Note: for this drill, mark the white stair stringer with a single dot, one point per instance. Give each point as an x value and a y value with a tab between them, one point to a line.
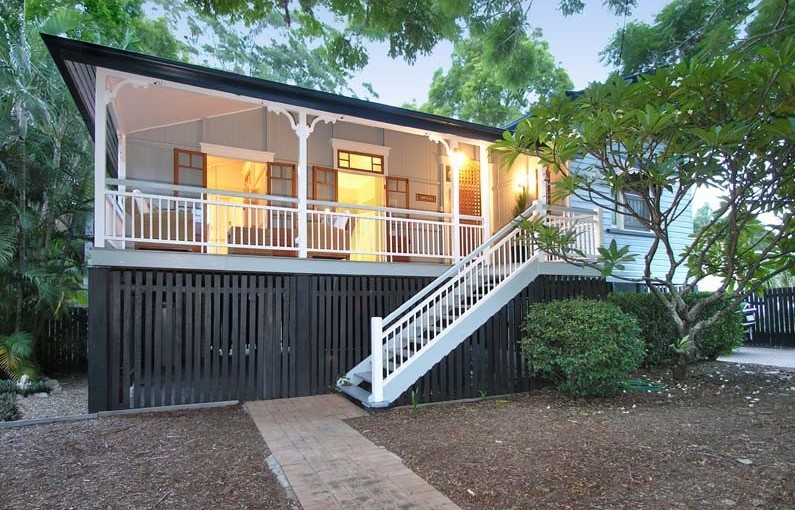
408	373
422	331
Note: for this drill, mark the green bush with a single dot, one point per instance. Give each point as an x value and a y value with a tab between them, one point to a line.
7	386
584	347
8	406
723	336
38	386
659	330
657	327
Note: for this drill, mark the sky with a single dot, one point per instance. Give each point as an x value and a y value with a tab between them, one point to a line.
574	41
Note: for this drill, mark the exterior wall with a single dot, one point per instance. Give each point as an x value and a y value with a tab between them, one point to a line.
150	152
525	172
640	242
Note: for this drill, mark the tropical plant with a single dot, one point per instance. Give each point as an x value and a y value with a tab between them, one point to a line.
725	122
16	350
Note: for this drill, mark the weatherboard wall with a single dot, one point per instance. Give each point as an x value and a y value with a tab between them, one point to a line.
639	241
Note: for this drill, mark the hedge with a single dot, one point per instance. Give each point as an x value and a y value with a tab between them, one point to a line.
659	329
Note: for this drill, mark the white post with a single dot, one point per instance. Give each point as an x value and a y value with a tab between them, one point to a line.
485	191
377	357
121	167
597	230
100	155
454	201
302	130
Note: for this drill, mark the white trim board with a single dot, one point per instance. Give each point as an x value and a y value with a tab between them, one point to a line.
226	151
208	262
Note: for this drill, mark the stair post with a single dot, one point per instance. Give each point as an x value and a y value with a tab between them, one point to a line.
377	356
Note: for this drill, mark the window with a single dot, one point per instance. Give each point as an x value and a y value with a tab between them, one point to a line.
360	161
637	204
281	179
397	192
324	184
190	168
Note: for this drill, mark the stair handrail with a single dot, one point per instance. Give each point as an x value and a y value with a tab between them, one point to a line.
455	268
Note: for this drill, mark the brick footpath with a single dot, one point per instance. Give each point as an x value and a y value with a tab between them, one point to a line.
329	465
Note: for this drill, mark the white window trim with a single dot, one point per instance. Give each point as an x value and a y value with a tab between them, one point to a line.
620	224
225	151
367	148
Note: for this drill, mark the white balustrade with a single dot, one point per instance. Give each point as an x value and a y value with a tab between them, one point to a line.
148	215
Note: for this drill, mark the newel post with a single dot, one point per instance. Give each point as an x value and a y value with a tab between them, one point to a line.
377	356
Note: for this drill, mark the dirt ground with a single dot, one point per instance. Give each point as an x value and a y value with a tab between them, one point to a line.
212	458
725	439
70	399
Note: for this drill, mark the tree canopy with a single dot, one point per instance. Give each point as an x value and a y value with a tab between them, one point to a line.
687	28
472	90
410	27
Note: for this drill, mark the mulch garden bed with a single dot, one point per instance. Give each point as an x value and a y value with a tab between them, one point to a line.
723	439
210	458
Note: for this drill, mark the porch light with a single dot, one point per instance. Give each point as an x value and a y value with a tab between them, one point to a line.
458	159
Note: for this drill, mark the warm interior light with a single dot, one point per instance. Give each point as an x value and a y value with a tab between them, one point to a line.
458	158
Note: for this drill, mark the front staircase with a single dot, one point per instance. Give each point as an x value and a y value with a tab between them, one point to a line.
422	331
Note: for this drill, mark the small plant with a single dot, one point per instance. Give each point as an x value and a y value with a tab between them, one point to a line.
415	400
584	347
7	386
482	394
38	386
8	406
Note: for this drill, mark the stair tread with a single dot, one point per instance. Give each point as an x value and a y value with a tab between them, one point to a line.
367	375
356	392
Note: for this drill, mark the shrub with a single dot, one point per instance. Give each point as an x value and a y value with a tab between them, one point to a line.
38	386
723	336
8	406
584	347
7	386
657	327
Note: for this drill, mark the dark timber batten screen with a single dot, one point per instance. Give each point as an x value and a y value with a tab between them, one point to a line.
163	337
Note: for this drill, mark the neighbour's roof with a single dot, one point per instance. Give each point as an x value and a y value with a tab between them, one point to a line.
78	61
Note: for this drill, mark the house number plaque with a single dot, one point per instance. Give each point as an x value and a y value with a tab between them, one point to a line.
422	197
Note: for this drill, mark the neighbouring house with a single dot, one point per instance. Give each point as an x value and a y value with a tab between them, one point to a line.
259	240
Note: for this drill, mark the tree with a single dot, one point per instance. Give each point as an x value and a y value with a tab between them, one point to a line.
727	123
410	27
704	28
702	217
472	90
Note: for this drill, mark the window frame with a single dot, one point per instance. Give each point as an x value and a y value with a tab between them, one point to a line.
372	156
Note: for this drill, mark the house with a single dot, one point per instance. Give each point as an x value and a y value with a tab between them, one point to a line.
259	240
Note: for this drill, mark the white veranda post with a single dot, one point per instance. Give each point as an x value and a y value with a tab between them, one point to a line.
100	155
485	191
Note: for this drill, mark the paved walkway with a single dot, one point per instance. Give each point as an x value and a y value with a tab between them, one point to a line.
331	466
783	358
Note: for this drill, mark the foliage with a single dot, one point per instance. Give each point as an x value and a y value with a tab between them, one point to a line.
585	347
725	123
8	386
37	386
724	335
702	28
8	407
475	90
702	217
659	330
16	352
410	27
